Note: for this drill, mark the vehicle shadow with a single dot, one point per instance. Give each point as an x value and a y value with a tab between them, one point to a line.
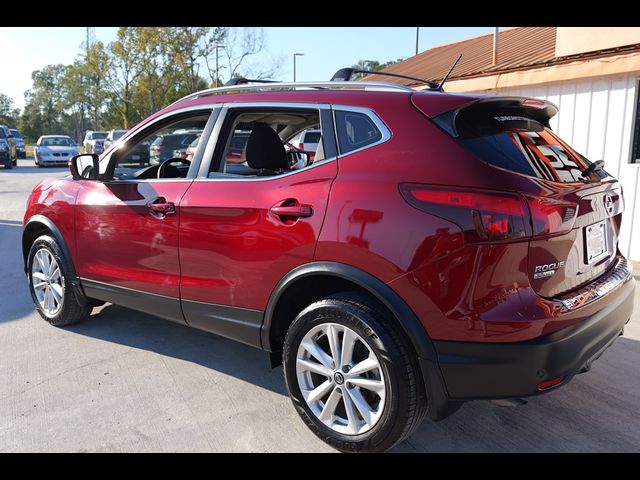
15	300
135	329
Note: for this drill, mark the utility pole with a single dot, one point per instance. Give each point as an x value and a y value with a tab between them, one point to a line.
417	38
294	64
217	75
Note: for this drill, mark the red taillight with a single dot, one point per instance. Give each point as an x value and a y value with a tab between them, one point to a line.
301	146
483	216
550	383
491	216
550	216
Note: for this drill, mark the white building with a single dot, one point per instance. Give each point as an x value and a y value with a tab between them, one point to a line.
591	74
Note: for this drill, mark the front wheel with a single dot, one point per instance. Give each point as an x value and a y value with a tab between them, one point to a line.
50	283
351	374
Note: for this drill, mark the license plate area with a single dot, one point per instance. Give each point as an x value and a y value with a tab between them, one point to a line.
596	241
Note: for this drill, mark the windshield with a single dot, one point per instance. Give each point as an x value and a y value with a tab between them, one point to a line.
16	133
98	135
56	142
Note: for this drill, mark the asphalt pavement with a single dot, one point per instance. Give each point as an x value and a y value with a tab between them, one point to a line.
126	381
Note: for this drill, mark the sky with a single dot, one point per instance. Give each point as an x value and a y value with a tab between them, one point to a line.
325	49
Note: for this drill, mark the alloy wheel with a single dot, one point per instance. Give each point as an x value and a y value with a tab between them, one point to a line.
341	379
47	282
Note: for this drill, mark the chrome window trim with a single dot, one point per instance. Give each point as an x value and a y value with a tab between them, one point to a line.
213	140
373	116
121	142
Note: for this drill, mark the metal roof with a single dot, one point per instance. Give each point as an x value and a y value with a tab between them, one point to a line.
517	48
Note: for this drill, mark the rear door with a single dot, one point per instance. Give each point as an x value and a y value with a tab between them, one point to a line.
240	233
575	215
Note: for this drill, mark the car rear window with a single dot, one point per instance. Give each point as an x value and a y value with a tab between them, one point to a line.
99	135
312	137
16	133
512	140
355	131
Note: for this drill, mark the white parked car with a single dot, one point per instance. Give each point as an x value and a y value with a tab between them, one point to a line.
112	138
54	149
307	141
94	142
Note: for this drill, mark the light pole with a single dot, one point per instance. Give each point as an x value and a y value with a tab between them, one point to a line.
294	64
417	37
217	75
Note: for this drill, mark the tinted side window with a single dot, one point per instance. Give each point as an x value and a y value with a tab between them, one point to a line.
355	130
2	133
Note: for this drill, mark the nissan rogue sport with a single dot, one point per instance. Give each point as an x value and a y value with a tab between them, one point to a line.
438	248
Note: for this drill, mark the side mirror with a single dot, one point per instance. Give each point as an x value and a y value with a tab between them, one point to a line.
85	166
10	135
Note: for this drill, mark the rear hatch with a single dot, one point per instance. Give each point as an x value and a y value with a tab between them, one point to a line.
574	207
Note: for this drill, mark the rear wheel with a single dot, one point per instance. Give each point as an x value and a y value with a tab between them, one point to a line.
50	276
351	375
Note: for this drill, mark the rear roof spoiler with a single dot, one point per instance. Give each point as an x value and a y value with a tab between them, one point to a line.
539	110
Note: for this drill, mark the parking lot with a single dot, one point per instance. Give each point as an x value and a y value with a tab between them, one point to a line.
126	381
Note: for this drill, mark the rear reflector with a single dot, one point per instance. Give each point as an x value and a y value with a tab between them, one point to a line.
491	216
550	383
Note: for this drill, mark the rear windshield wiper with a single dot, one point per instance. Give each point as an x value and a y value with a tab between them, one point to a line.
596	166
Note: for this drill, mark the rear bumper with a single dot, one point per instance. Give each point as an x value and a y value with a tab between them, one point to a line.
474	370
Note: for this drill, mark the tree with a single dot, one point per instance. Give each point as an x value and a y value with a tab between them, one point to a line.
8	114
242	45
373	65
144	69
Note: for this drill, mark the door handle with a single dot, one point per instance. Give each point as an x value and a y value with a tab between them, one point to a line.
291	209
160	207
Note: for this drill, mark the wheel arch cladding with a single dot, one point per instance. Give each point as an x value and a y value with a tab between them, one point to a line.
310	282
39	225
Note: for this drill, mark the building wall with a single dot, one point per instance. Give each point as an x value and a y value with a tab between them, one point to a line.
596	117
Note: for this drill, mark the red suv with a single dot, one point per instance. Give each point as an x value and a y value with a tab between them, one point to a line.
439	247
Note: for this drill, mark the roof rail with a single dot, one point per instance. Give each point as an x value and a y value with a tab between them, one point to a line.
244	81
345	74
369	86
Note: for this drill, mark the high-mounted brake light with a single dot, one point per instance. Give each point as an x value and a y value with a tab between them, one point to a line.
533	103
491	216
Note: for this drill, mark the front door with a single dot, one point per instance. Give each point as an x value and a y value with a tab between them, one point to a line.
251	218
127	226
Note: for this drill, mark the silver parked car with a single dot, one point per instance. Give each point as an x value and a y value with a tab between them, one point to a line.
112	137
54	149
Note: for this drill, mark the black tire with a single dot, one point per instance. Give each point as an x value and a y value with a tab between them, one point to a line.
71	311
406	402
9	165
